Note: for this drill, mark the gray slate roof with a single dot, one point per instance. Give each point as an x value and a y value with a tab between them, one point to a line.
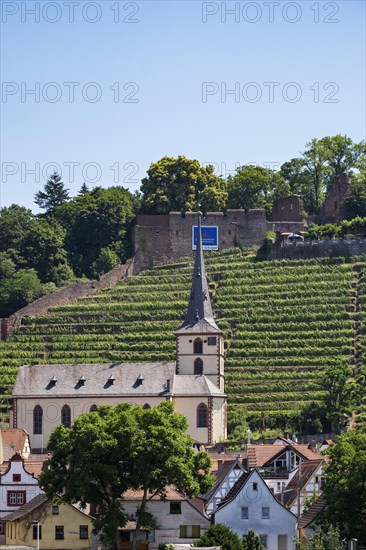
130	380
199	316
27	508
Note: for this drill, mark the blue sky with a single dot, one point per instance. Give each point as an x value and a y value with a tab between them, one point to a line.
149	78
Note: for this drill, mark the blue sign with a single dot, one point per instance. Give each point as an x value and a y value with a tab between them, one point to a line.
210	237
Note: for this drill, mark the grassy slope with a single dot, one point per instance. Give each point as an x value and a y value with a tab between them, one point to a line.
284	321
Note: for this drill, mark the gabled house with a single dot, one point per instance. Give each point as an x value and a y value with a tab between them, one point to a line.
250	504
57	526
18	439
179	519
227	475
18	486
279	462
305	484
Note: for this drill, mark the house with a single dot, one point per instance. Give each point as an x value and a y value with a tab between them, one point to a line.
18	439
227	474
57	526
18	486
45	396
305	484
179	519
250	504
278	463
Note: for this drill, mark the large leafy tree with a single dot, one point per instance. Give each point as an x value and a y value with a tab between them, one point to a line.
96	220
54	194
256	187
345	484
220	535
295	173
176	184
339	387
116	448
15	222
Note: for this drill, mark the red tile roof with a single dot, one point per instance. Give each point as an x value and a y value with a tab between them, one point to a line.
310	515
259	455
15	437
299	480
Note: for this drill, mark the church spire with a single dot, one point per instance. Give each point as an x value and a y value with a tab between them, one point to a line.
199	314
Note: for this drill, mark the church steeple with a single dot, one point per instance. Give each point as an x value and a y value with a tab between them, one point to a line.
199	316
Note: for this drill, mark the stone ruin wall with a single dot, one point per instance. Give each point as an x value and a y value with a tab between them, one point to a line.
158	239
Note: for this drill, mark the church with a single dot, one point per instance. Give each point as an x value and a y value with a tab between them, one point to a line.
45	396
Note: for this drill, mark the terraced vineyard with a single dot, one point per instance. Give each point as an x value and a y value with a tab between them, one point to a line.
284	321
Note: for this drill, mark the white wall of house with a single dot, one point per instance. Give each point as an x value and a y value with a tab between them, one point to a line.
279	528
13	494
168	530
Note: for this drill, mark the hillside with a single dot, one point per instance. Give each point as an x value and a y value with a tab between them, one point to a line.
284	322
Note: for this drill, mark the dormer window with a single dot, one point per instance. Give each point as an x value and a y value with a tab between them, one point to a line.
111	379
139	380
53	381
81	380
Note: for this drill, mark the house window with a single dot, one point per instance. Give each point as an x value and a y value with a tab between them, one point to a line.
255	486
263	539
35	529
146	406
282	542
244	512
93	408
59	532
84	531
17	477
202	416
55	510
66	416
175	507
189	531
198	346
16	498
37	419
198	366
265	512
211	341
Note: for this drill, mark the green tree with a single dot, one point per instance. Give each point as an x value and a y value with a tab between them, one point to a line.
220	535
54	194
356	201
256	187
251	541
100	218
327	538
296	175
315	159
176	184
237	423
342	155
116	448
345	482
106	261
339	387
15	223
43	247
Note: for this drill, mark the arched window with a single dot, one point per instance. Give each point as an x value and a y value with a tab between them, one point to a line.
202	416
198	366
37	419
146	406
93	408
66	416
198	346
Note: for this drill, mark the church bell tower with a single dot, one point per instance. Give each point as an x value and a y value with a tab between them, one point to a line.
200	342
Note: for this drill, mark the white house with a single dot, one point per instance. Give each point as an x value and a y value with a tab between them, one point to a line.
45	396
179	519
250	505
17	487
